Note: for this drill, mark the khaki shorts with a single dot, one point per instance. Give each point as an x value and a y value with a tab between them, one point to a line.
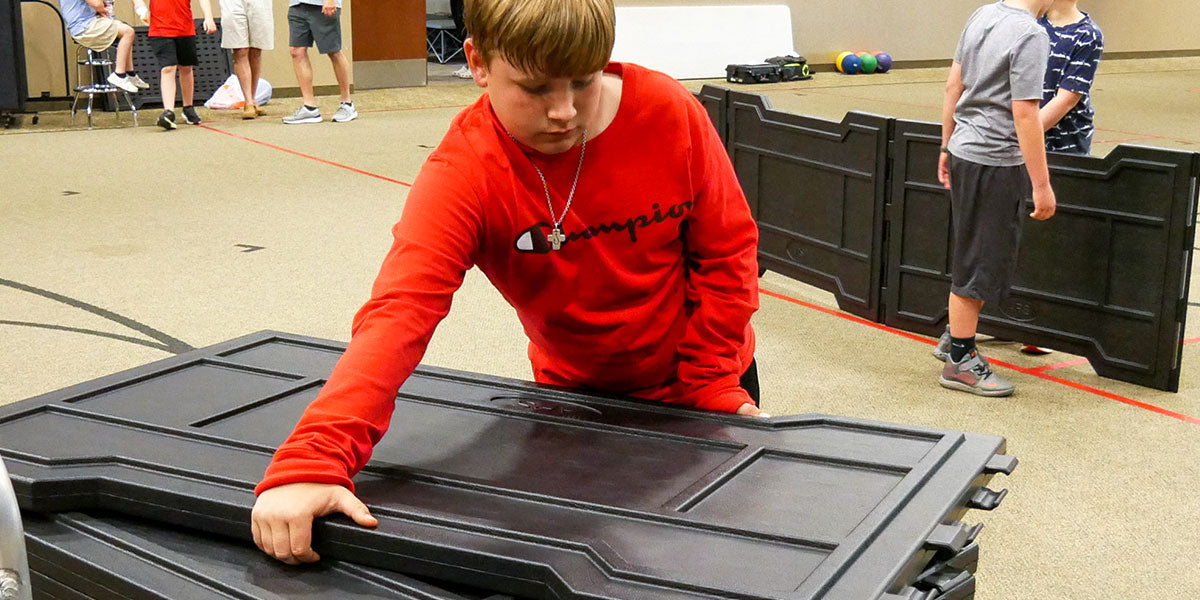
247	24
101	32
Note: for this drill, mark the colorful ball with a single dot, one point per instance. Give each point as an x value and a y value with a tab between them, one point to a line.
851	64
838	63
884	61
869	63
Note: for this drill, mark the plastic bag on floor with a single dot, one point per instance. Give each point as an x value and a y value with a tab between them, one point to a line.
229	95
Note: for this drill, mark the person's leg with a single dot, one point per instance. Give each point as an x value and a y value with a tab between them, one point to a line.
341	69
241	68
167	85
187	85
964	319
124	62
255	59
304	75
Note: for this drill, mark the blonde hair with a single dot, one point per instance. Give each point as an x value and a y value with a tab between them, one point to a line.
554	38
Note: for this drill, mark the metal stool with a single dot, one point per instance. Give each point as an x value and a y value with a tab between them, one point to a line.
440	37
99	63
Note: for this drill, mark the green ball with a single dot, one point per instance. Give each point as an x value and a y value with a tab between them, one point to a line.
869	62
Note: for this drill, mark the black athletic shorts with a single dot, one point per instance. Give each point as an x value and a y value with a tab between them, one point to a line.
175	51
986	204
749	381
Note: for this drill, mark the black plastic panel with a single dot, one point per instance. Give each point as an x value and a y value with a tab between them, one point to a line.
13	85
520	489
106	556
214	68
715	100
817	190
1106	278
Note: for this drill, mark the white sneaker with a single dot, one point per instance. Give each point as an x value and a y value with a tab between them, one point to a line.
345	113
303	115
464	72
137	80
122	82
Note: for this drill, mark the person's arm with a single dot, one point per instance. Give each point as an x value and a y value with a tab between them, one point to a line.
210	26
310	475
1058	107
722	246
142	11
954	91
1033	149
99	6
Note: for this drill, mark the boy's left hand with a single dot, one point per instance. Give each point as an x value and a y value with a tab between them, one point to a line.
210	26
328	8
944	169
750	410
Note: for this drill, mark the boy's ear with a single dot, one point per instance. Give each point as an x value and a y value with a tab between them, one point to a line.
476	63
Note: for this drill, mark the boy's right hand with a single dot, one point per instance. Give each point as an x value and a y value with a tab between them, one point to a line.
1044	203
282	517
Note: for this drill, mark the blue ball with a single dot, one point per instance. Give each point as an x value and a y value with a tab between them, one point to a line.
851	64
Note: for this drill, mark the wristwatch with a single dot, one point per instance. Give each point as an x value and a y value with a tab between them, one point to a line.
945	149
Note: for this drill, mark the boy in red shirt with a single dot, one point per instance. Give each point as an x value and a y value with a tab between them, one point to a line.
600	202
173	37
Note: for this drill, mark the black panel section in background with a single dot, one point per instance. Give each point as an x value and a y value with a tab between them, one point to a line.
13	84
108	557
214	68
715	100
524	489
817	190
1106	277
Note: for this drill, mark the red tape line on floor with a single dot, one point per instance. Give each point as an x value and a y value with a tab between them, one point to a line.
301	154
1028	371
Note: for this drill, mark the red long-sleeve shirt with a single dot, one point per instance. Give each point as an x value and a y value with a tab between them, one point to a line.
650	295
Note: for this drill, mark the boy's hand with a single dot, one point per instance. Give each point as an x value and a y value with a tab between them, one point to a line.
143	14
282	518
750	410
1044	203
329	8
210	26
944	169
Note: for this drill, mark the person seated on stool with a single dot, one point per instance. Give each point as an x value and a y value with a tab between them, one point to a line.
94	26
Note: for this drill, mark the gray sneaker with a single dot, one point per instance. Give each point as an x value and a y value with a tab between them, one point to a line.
973	374
303	115
942	350
345	113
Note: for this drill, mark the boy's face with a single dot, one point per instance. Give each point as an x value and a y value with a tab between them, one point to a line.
547	114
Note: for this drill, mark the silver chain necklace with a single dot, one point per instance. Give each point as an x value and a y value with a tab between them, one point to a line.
556	237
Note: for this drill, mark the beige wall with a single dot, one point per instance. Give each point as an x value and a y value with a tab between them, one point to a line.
910	30
43	47
922	30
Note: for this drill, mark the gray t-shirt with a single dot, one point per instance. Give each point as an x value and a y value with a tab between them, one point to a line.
1003	52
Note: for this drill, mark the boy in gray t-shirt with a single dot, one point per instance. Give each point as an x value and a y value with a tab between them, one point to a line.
992	160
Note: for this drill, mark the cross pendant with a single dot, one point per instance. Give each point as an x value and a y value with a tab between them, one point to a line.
556	239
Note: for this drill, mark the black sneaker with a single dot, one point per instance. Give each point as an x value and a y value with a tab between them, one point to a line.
167	120
189	115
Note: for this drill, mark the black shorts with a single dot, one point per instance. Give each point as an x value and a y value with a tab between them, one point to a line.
306	24
173	51
986	204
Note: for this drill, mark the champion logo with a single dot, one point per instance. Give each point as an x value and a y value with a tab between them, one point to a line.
533	240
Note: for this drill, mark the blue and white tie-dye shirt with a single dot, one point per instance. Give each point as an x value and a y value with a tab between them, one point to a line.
1075	52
